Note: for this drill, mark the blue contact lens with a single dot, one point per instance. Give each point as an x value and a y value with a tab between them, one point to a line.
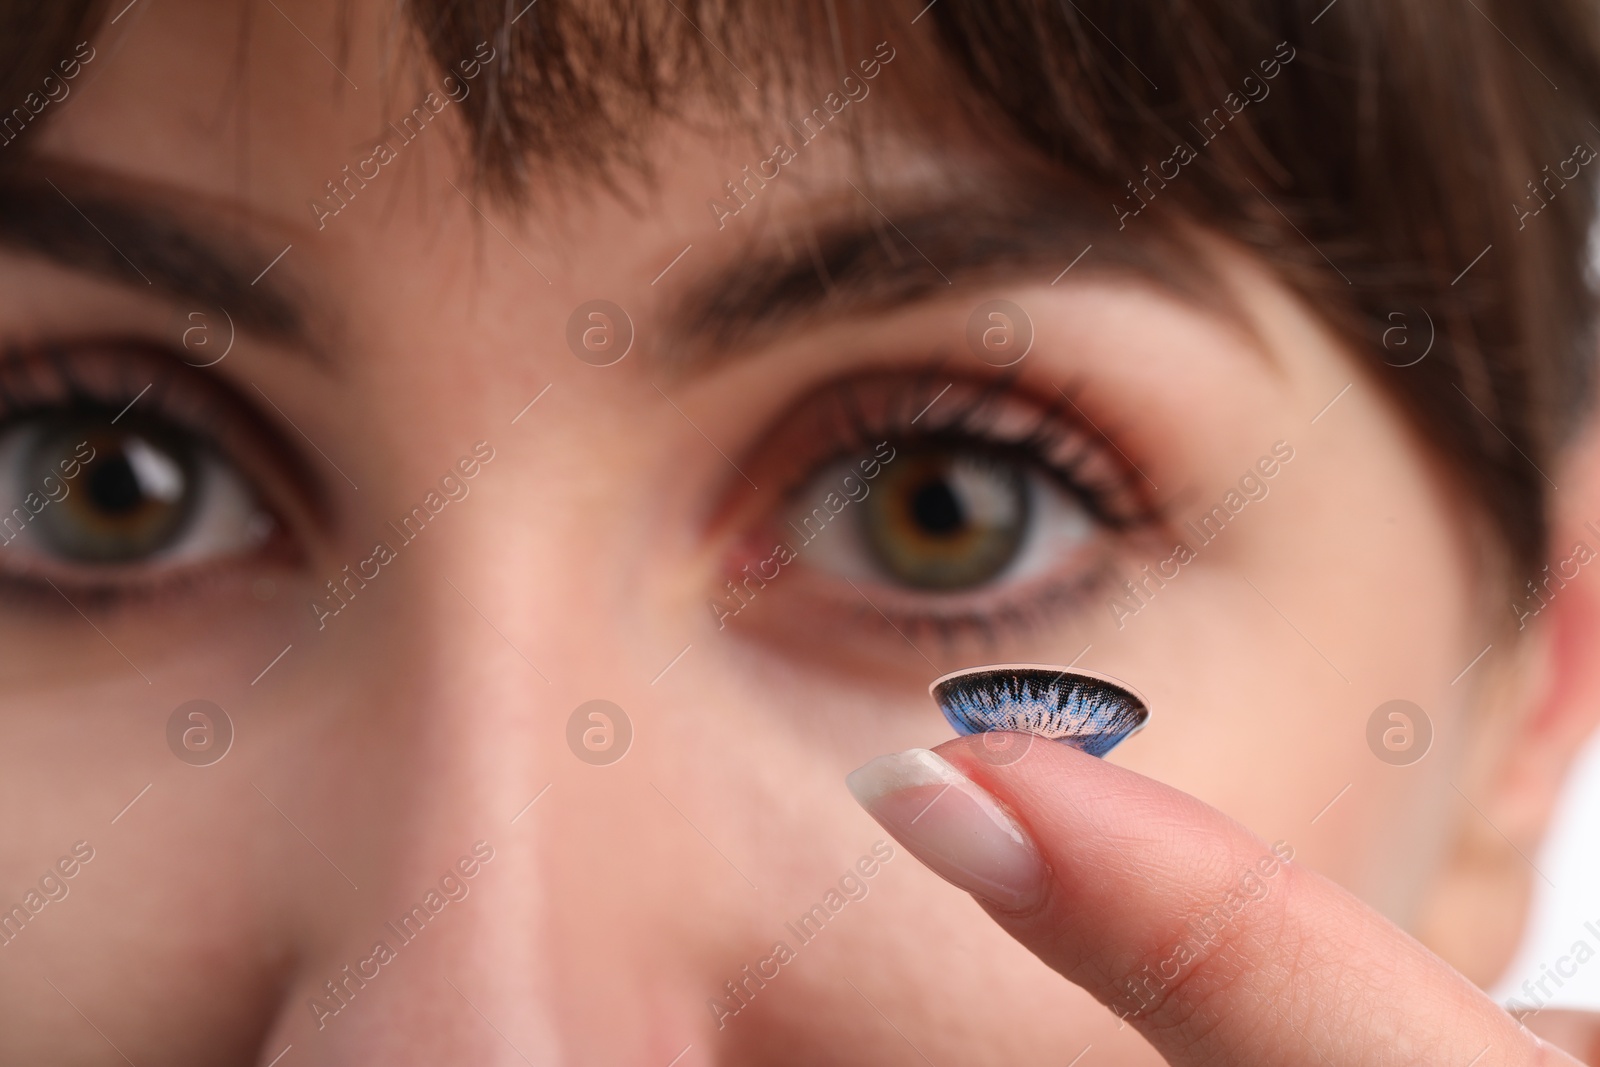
1085	710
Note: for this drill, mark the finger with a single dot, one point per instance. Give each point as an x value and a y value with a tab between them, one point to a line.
1215	945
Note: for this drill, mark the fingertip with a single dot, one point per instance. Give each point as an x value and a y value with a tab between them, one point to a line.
954	826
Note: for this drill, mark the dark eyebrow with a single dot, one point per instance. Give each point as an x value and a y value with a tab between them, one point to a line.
141	243
873	261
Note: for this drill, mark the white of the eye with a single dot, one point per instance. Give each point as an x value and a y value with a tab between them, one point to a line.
982	494
226	521
1058	525
158	475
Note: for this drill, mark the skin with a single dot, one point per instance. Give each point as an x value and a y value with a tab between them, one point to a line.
428	713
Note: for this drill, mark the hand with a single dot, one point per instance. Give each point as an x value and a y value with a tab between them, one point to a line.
1216	946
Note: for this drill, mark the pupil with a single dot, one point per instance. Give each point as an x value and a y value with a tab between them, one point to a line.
131	500
114	486
936	509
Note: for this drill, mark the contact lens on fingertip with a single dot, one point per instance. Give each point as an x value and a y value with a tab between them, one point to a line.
1080	708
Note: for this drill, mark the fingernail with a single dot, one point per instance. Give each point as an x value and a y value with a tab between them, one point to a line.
953	826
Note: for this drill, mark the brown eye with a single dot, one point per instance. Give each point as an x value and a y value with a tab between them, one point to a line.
89	493
938	518
942	518
132	496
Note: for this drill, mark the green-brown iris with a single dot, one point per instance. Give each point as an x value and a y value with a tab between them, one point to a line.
947	518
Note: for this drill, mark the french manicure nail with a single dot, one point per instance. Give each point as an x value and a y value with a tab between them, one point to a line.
957	829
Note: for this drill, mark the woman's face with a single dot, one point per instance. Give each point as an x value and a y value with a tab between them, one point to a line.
432	502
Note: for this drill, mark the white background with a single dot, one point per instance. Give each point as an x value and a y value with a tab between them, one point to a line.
1571	860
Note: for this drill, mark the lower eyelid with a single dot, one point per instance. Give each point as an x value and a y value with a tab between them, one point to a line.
981	620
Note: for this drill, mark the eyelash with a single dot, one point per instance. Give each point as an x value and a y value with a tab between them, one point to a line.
1057	440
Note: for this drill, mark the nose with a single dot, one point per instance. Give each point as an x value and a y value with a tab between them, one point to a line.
473	899
418	785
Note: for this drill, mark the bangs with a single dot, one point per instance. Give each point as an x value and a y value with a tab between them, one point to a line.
581	87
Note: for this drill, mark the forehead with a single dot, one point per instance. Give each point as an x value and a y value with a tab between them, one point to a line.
547	90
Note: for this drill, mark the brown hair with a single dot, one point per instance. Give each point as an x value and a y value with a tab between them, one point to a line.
1409	157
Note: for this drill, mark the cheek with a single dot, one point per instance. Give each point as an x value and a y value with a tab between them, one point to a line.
1349	593
1350	585
1398	606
